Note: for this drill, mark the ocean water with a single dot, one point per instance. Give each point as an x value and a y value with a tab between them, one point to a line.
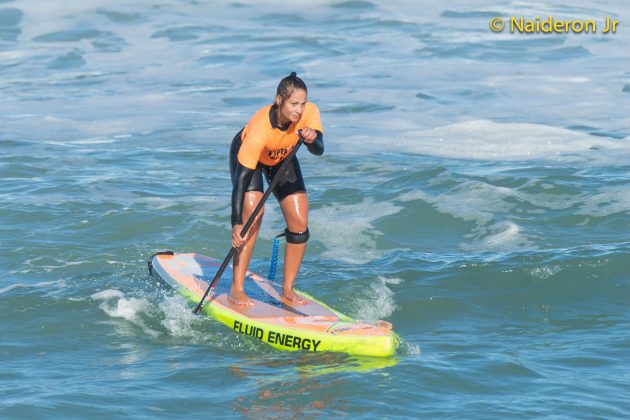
475	192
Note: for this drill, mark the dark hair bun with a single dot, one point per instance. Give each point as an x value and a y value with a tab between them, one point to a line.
288	84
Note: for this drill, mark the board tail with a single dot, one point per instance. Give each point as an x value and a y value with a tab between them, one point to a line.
150	261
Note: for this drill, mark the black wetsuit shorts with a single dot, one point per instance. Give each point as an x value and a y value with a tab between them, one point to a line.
290	183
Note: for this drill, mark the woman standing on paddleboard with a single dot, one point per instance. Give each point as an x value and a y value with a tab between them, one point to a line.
257	150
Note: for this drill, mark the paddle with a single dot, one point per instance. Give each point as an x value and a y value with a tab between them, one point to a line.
250	221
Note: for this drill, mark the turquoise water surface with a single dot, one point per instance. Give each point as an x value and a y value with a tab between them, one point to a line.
474	192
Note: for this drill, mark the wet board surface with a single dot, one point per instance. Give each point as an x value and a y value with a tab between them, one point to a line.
196	271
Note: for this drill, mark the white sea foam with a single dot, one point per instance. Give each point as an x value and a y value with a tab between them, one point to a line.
494	141
37	262
348	229
470	201
489	205
487	140
498	237
480	202
44	284
158	203
91	140
608	201
195	204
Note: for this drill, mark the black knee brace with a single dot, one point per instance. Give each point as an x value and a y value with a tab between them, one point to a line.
296	237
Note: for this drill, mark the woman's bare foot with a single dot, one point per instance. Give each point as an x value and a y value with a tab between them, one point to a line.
293	297
240	299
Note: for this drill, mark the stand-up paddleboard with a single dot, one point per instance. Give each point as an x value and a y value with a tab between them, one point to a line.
312	326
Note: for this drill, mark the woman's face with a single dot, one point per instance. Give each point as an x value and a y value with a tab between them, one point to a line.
293	108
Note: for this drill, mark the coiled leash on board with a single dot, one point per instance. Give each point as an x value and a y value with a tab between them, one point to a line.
292	238
274	256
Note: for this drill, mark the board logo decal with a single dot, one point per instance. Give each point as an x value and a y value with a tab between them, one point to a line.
274	337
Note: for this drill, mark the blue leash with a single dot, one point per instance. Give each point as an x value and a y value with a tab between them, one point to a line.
274	256
274	259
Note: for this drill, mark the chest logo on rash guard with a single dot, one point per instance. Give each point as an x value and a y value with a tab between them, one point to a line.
278	153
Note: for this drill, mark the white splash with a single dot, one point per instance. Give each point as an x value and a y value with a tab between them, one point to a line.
179	319
546	271
116	305
409	349
379	302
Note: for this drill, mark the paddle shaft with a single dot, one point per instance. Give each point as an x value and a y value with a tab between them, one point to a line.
250	222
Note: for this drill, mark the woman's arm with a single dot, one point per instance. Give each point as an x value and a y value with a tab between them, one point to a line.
317	146
242	178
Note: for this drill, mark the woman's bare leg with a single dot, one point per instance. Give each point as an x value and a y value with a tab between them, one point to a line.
244	254
295	211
